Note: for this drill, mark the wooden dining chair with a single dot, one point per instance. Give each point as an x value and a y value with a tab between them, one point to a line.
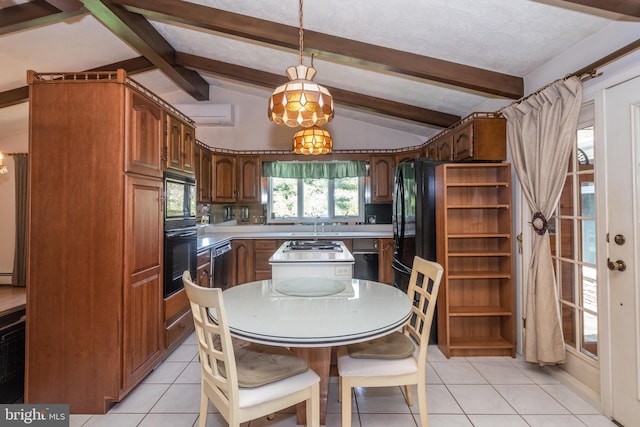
245	381
401	357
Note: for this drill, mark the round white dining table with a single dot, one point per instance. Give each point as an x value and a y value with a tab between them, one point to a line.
311	315
314	312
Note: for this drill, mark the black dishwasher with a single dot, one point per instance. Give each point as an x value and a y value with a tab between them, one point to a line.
365	252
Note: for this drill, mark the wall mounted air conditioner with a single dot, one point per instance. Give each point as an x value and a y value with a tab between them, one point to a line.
208	114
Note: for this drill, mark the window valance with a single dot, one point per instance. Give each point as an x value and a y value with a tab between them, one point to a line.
315	169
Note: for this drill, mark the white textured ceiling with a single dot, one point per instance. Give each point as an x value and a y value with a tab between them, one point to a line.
513	37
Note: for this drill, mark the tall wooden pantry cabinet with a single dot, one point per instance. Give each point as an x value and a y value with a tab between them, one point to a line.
476	301
95	323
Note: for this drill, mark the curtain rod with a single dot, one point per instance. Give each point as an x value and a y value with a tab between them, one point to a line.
583	77
12	154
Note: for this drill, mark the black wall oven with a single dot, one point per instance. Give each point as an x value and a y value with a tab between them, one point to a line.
180	232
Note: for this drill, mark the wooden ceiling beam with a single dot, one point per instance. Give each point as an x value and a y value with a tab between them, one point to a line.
340	96
66	5
131	66
337	48
35	14
136	31
623	7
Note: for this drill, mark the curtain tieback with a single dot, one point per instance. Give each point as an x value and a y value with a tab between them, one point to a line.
539	223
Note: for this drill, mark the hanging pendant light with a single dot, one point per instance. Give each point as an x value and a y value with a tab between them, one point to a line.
313	140
301	102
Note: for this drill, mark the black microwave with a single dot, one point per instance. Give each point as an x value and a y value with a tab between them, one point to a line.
180	201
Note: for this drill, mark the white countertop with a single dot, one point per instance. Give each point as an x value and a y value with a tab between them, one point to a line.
212	235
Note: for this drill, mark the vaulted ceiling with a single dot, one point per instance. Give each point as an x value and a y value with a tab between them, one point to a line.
423	64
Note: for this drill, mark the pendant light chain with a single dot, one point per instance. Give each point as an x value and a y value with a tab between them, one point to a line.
300	101
300	35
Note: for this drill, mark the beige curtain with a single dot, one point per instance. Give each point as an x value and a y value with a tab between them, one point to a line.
21	165
541	131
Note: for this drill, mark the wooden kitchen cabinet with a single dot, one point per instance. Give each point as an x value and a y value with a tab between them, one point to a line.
263	250
481	136
203	268
476	302
381	178
249	174
203	174
143	343
444	147
242	261
95	321
223	188
180	144
405	156
385	258
144	154
178	320
431	149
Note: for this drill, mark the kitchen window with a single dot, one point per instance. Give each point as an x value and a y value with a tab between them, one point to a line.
315	191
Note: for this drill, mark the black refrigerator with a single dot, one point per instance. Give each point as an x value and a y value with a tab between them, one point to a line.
414	216
414	221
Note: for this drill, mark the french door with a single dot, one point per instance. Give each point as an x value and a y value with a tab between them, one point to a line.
621	132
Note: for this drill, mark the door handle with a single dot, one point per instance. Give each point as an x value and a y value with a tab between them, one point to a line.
618	265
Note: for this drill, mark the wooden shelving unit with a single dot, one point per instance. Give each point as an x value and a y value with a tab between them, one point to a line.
476	304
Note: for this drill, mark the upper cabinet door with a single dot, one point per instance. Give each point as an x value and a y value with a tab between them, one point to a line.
224	179
188	148
249	173
179	145
381	174
203	174
144	135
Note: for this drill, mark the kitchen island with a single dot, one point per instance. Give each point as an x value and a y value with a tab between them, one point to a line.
302	259
252	246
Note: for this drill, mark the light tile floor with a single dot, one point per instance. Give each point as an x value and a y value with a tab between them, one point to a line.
461	392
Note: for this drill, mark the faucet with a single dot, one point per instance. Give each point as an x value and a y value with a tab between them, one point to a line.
315	226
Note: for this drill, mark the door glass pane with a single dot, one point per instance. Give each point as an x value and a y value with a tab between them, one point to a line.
587	195
589	289
566	238
588	232
565	205
567	285
586	152
589	334
569	325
